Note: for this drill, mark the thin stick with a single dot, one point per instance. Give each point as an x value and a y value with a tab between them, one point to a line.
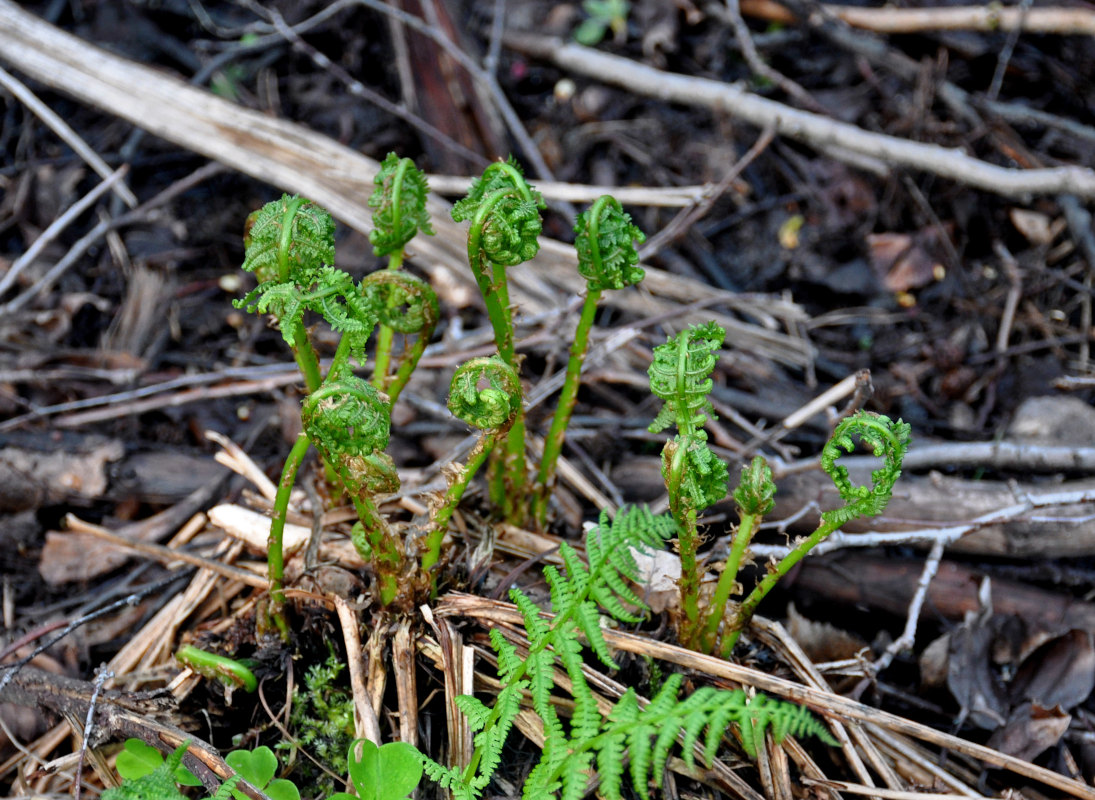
64	132
804	126
59	224
365	722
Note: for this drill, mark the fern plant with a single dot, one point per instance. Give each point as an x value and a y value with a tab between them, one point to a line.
607	259
888	440
486	394
290	248
645	731
695	477
504	212
399	203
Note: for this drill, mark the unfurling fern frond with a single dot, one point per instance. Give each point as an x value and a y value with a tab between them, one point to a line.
485	393
399	203
888	440
405	304
605	243
349	424
679	375
288	239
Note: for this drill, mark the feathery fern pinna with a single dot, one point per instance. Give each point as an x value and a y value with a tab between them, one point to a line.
694	476
647	731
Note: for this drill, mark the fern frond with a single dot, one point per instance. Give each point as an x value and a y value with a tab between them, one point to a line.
399	201
288	239
605	243
350	424
404	303
704	475
889	440
679	375
489	406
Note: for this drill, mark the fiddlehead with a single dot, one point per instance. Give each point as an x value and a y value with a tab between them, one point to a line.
399	203
405	304
288	239
607	259
679	375
288	243
606	239
888	440
485	393
694	476
505	223
349	424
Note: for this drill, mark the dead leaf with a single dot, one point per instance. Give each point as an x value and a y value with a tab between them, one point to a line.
1030	730
970	674
822	641
1036	227
1059	673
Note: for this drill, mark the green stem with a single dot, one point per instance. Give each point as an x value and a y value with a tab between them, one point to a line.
376	545
493	285
439	522
275	556
688	539
553	443
760	591
727	581
217	667
386	335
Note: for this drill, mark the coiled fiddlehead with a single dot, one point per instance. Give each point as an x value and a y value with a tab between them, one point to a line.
679	375
890	441
349	424
486	394
606	239
399	203
287	239
607	259
405	304
288	242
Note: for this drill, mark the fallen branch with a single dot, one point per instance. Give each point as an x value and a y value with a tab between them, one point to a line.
812	129
991	18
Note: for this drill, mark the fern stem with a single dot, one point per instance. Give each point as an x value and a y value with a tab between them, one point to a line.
385	335
439	521
568	397
727	581
684	512
749	605
375	543
275	556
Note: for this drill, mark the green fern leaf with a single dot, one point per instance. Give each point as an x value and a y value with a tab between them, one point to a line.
288	239
399	201
605	243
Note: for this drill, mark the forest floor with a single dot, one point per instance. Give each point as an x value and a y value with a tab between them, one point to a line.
887	208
